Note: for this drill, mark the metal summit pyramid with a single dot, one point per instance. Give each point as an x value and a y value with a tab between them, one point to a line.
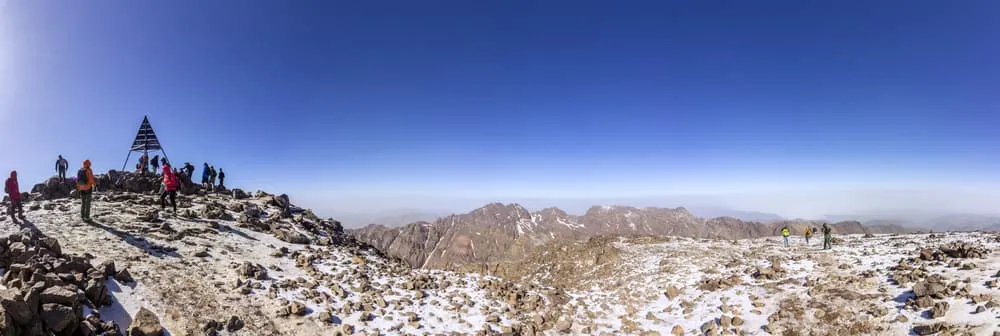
146	139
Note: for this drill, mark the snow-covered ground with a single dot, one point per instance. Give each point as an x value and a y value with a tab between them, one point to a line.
186	273
823	291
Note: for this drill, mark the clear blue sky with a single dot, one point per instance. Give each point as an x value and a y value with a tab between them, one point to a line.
510	98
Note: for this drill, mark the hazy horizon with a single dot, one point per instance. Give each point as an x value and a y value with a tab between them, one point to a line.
811	205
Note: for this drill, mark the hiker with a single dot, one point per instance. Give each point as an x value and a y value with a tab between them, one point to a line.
138	168
85	185
190	170
809	233
61	167
144	163
222	179
14	193
211	177
785	233
170	186
204	175
156	164
827	240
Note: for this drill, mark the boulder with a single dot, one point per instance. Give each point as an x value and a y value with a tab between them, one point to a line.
240	194
291	236
14	306
124	276
60	295
58	317
145	323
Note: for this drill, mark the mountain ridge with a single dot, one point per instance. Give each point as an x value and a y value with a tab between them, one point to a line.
499	232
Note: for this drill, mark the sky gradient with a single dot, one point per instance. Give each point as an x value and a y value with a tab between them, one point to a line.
385	104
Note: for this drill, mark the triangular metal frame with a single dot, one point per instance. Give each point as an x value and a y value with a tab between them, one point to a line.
145	141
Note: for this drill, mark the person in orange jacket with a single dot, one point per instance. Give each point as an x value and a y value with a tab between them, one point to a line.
85	185
14	194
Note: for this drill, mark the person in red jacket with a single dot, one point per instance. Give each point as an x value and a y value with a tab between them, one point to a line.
14	194
170	186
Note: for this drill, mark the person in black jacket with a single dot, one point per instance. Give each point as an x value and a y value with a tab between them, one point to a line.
222	179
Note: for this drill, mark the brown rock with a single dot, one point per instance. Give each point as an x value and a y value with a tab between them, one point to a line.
145	323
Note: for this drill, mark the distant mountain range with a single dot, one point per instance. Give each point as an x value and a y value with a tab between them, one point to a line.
928	220
500	232
390	218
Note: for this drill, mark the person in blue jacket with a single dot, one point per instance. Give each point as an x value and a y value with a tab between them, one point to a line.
204	175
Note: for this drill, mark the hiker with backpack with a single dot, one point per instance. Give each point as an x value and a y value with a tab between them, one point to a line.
85	185
61	166
204	175
827	239
14	194
211	177
222	179
189	169
785	233
170	187
156	164
808	234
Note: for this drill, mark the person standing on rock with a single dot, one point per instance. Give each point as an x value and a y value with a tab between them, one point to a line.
85	185
170	188
211	177
61	167
144	163
204	175
808	234
785	233
156	164
222	179
14	194
189	168
827	239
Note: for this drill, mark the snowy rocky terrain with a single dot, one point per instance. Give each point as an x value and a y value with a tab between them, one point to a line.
231	263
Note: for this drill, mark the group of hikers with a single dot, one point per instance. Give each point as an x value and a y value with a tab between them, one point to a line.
85	183
208	175
827	235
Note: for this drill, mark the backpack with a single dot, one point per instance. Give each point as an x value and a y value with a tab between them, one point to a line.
81	176
826	229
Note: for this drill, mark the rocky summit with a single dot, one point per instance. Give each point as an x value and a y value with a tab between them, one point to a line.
231	262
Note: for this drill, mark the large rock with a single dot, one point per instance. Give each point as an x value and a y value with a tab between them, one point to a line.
59	318
145	323
240	194
215	210
60	295
291	236
14	306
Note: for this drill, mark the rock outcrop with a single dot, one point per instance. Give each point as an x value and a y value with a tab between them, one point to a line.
42	285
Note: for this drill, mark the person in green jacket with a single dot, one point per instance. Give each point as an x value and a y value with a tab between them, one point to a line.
827	239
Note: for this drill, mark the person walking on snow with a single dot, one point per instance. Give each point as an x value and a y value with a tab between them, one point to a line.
808	234
785	233
827	239
14	194
170	188
61	166
222	179
85	185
